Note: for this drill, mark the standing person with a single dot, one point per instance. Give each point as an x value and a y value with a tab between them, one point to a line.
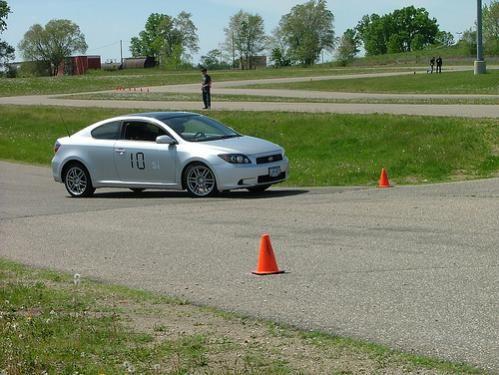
439	64
432	64
205	89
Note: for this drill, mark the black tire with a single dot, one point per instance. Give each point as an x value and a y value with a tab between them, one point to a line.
258	189
137	190
200	181
77	180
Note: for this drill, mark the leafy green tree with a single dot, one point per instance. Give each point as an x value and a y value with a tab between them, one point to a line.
245	37
491	27
279	58
214	59
6	50
374	33
171	40
150	40
414	24
348	47
278	49
308	30
468	41
403	30
53	43
444	38
4	12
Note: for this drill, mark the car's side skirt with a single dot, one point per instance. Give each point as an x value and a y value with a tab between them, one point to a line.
149	185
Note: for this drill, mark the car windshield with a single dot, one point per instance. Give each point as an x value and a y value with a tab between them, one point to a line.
199	128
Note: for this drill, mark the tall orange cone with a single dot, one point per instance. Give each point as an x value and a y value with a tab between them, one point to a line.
383	179
266	260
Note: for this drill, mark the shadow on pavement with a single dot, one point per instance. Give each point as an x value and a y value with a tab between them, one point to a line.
242	194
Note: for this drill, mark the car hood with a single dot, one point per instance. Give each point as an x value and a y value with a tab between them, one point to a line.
243	145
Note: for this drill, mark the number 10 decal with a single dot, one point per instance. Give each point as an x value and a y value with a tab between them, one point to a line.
140	160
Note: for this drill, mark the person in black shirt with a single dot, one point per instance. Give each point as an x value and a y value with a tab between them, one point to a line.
439	64
205	89
432	64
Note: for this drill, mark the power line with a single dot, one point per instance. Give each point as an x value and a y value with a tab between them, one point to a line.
107	45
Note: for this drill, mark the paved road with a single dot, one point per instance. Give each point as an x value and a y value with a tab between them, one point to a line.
415	268
450	110
456	110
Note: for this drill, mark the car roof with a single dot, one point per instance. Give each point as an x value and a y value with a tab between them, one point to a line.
162	116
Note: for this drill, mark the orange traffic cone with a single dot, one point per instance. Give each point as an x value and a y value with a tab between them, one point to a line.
266	260
383	179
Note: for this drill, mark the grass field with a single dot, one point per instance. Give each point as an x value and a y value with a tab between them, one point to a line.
101	80
324	149
454	55
279	99
446	83
50	324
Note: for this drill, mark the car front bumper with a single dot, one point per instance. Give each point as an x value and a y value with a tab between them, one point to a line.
233	176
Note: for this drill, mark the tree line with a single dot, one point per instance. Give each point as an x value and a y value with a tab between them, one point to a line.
299	39
304	33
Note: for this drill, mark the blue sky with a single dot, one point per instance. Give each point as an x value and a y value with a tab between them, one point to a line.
105	22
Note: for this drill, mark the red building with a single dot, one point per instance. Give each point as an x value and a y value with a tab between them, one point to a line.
78	65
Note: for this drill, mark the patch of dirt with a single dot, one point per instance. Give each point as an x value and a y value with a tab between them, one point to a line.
239	344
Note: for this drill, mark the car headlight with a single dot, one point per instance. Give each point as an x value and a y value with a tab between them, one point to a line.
235	158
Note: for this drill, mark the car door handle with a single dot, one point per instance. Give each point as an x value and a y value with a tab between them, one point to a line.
120	151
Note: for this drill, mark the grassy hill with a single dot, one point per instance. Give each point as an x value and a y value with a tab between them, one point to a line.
454	55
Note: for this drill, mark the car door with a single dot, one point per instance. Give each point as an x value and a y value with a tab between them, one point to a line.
140	160
99	153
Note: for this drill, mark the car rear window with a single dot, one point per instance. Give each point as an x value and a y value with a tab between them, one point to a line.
110	130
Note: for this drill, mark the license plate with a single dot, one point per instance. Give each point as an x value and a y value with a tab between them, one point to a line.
274	171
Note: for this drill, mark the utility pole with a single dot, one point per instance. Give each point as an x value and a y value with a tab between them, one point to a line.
121	52
480	66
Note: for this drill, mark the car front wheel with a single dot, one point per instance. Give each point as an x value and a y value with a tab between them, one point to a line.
200	181
77	181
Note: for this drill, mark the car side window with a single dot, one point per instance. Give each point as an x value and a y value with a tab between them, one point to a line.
142	131
111	130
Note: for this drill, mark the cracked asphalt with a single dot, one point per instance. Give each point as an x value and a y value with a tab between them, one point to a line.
412	267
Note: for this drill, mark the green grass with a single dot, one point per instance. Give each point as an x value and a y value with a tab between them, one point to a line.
279	99
455	55
323	149
98	81
50	325
446	83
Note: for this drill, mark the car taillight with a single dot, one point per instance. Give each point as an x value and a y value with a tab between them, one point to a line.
57	146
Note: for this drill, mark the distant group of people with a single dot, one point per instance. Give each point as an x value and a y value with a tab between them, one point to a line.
438	62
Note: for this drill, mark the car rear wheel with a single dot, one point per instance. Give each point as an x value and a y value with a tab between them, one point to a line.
77	181
258	189
200	181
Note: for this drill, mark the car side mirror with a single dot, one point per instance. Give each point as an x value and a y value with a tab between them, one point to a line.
165	140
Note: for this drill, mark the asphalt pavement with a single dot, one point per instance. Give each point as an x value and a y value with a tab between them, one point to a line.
412	267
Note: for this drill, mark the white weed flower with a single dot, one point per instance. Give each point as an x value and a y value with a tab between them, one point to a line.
76	279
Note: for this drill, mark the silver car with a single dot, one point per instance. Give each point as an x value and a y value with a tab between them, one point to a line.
166	150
